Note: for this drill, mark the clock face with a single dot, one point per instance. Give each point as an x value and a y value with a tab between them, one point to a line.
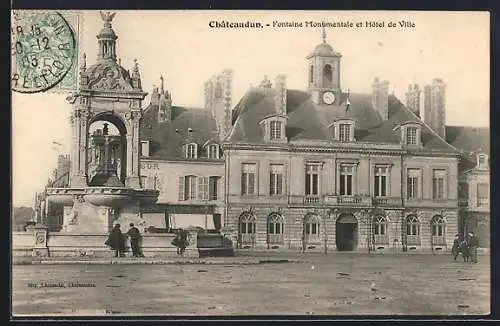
328	97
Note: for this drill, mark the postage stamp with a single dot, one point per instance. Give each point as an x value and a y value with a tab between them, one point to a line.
43	50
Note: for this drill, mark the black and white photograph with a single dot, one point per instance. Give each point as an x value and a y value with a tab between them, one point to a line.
250	163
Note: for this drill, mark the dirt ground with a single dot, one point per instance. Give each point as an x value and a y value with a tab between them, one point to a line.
337	284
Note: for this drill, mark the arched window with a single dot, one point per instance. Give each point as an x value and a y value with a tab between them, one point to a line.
191	151
380	224
327	73
412	225
437	226
312	227
213	151
275	228
311	74
412	230
247	228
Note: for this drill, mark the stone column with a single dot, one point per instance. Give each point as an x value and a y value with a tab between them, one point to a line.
79	120
133	176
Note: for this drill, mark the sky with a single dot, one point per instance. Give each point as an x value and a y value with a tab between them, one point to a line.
181	47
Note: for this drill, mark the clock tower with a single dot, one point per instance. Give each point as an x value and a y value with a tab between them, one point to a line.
324	74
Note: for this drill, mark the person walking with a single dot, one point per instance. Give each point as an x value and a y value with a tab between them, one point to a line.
135	240
116	241
455	250
473	244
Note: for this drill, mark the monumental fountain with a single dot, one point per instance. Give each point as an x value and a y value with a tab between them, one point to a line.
105	186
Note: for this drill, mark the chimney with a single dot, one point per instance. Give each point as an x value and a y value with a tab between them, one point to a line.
434	106
165	104
380	97
416	100
409	98
155	96
280	95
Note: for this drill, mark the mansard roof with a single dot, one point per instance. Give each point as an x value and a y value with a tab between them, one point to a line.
308	121
167	138
469	140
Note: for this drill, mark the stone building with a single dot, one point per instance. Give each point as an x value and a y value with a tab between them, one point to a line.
314	169
325	166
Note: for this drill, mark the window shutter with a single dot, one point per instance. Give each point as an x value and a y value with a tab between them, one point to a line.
181	188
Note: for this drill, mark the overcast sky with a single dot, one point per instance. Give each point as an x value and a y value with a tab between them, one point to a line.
180	46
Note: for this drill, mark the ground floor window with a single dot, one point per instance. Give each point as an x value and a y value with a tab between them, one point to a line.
438	230
247	228
275	227
412	230
380	233
312	227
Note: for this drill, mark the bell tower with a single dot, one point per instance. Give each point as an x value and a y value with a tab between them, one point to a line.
324	74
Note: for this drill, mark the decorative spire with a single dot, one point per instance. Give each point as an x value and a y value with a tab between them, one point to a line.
107	17
266	83
135	70
324	35
107	38
348	101
83	66
162	90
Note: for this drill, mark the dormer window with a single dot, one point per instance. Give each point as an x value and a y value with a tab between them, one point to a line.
411	136
482	161
343	130
213	151
410	133
144	147
274	128
191	150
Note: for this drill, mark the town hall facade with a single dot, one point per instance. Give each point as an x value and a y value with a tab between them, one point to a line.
324	168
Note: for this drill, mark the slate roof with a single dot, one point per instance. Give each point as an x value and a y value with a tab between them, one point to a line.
165	142
308	121
470	140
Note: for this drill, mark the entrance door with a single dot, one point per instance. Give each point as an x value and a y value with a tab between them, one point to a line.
346	233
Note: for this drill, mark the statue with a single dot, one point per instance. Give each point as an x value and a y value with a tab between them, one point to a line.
107	17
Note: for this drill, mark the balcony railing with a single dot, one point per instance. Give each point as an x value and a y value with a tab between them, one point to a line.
275	239
413	240
312	199
438	240
381	239
386	201
247	238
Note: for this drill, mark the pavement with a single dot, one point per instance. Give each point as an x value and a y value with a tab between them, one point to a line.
334	284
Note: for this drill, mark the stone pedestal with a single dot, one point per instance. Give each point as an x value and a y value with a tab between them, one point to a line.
40	248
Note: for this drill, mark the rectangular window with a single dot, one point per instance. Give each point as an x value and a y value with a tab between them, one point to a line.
203	188
248	179
346	180
412	184
483	194
411	136
275	130
144	148
213	188
312	179
276	172
344	132
438	184
381	177
191	151
144	181
213	151
190	187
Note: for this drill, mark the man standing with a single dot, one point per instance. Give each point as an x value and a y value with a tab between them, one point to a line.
455	250
473	243
135	238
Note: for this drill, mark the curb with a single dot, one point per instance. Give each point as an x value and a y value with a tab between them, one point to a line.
157	262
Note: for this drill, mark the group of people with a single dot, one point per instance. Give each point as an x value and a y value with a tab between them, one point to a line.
116	241
467	247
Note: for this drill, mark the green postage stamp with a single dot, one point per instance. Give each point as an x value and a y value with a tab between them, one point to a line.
44	51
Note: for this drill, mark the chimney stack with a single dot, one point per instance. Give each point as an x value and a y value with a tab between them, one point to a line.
380	97
280	95
434	106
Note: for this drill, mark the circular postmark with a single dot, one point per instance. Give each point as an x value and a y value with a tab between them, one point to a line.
43	50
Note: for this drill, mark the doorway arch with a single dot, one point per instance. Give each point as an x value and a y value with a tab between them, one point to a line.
346	232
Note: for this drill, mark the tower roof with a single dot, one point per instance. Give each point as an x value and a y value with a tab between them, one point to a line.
324	49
